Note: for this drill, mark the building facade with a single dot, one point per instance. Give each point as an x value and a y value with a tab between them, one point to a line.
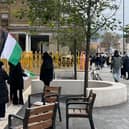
20	27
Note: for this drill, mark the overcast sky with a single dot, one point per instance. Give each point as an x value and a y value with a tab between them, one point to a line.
119	14
126	10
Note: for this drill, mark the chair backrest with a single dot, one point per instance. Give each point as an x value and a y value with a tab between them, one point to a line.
90	94
52	90
40	117
50	98
91	101
51	94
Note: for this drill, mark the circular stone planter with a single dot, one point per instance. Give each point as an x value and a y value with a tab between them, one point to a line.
107	93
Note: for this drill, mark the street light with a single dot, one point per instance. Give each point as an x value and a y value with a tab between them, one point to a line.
123	25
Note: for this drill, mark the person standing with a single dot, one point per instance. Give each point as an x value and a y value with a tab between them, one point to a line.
3	91
124	65
97	61
46	70
116	64
16	83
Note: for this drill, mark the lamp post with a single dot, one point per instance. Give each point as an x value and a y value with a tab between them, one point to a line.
123	25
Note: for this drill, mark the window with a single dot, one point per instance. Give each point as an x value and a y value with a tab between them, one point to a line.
4	19
3	0
4	16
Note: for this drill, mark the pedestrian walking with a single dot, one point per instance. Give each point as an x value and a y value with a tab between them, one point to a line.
3	91
124	67
16	83
116	64
97	61
46	70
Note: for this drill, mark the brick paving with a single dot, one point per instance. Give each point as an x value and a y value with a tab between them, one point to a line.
113	117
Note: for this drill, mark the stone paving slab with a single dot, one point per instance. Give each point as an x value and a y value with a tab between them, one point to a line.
11	109
114	117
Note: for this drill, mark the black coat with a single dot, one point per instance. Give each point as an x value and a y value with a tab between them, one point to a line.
3	86
16	76
46	70
126	63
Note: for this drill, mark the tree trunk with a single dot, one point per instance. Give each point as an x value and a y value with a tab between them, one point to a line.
88	37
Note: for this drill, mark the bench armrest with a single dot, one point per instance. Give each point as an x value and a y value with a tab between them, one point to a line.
77	103
76	98
10	119
33	95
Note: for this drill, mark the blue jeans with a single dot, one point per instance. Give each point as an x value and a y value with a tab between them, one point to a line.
116	76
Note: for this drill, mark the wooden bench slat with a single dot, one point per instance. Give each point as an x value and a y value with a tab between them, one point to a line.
41	117
51	99
41	125
52	89
39	109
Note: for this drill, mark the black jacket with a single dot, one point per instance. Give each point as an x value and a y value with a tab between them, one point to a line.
46	70
126	63
16	76
3	86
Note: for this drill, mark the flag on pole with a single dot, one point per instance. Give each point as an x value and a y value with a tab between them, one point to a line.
11	50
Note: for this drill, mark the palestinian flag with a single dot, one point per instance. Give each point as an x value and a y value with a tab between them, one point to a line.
11	50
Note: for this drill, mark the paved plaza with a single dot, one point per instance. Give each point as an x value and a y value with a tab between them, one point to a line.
114	117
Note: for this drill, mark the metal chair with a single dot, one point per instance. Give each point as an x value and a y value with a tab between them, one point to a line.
39	117
80	107
49	95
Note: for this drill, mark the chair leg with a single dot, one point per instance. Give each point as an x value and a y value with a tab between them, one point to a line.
58	106
91	122
9	122
67	122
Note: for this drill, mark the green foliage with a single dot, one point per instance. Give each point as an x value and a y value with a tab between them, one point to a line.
101	13
126	33
67	35
72	14
126	30
41	11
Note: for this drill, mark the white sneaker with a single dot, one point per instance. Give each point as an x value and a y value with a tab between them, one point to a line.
3	118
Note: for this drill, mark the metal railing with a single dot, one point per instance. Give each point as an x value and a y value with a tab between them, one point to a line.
32	61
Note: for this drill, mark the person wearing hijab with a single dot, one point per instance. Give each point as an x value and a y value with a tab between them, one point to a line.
16	83
116	64
3	91
46	70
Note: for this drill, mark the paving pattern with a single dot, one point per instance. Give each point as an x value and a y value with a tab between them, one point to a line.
113	117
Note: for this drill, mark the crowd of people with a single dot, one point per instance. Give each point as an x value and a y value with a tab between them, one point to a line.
118	63
99	60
